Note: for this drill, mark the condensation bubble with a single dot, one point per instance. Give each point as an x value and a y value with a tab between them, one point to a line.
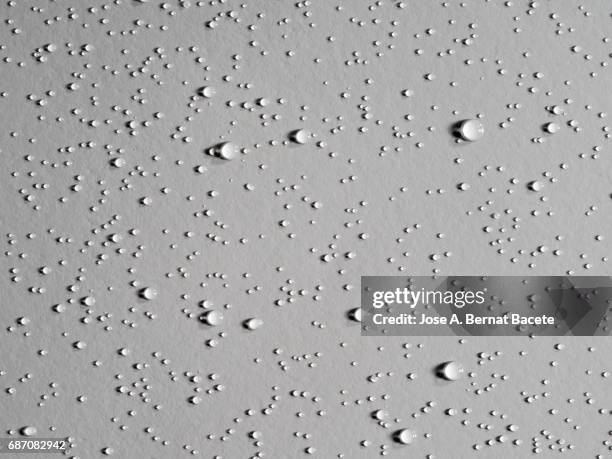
471	130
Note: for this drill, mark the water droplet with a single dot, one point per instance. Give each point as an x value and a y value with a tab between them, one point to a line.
535	185
380	415
148	293
552	128
212	318
207	91
355	314
118	162
23	321
451	371
88	301
555	109
300	136
226	150
253	324
471	130
29	431
404	436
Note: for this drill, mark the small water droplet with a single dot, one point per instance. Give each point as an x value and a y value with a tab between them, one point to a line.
253	324
29	431
355	314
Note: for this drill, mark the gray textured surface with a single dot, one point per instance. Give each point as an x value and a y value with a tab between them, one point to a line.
282	232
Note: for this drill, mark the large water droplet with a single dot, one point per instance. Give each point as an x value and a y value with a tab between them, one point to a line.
88	301
118	162
300	136
471	130
207	91
212	318
226	150
552	128
148	293
451	371
404	436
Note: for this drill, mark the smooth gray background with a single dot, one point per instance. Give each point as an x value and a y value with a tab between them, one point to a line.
378	180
